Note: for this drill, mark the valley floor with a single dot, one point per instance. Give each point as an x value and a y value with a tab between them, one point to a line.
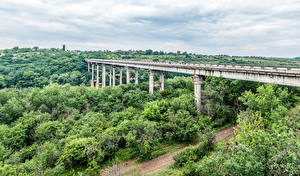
161	162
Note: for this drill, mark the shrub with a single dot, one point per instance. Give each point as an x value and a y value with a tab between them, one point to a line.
193	153
286	162
4	152
48	155
81	152
49	130
7	170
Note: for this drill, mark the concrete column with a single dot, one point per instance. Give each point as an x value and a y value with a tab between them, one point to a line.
92	80
89	67
103	75
197	90
127	75
121	76
110	76
162	81
114	76
97	78
151	81
136	80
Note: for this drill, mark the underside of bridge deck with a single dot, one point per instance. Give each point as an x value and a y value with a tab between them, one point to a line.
283	76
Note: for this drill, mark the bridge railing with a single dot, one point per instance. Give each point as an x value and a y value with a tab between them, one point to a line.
220	67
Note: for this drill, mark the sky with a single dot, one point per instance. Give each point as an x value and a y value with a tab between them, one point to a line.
232	27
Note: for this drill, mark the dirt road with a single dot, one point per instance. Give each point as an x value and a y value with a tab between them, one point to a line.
158	163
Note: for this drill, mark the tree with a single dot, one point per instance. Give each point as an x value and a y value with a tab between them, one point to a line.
264	145
148	52
2	82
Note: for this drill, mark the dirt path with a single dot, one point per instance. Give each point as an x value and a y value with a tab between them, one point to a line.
158	163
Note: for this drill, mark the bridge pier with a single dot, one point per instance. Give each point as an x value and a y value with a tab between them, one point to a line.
114	76
127	75
136	79
121	75
110	76
151	81
103	75
198	80
92	80
162	81
97	78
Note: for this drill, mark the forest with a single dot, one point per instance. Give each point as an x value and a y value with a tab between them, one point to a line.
53	123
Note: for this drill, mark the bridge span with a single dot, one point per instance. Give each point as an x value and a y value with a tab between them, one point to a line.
276	75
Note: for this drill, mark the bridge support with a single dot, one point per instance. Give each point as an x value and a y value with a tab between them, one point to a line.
136	79
121	76
103	75
114	76
92	80
151	81
97	78
197	90
127	75
110	76
162	81
89	65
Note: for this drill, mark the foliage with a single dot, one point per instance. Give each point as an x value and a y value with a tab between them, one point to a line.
60	129
194	153
221	98
264	145
81	152
53	124
7	169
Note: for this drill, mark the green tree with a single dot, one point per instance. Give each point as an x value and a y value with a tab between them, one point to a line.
81	152
2	82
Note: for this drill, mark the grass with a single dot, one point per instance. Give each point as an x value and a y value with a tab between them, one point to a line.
224	126
166	172
179	171
164	149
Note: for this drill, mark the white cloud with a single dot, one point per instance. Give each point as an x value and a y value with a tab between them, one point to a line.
234	27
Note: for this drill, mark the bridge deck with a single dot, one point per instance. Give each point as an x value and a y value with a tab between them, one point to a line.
277	75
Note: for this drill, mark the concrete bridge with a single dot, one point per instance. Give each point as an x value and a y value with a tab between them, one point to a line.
282	76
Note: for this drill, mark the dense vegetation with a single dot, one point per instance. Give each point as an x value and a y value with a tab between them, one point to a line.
266	142
59	128
51	123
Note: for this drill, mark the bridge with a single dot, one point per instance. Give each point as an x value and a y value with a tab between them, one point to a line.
282	76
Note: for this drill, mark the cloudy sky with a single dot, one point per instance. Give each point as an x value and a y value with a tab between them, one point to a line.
232	27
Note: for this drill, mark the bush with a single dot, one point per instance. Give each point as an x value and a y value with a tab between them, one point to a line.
238	160
81	152
181	127
7	170
286	162
20	135
49	130
193	153
11	110
48	155
4	152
